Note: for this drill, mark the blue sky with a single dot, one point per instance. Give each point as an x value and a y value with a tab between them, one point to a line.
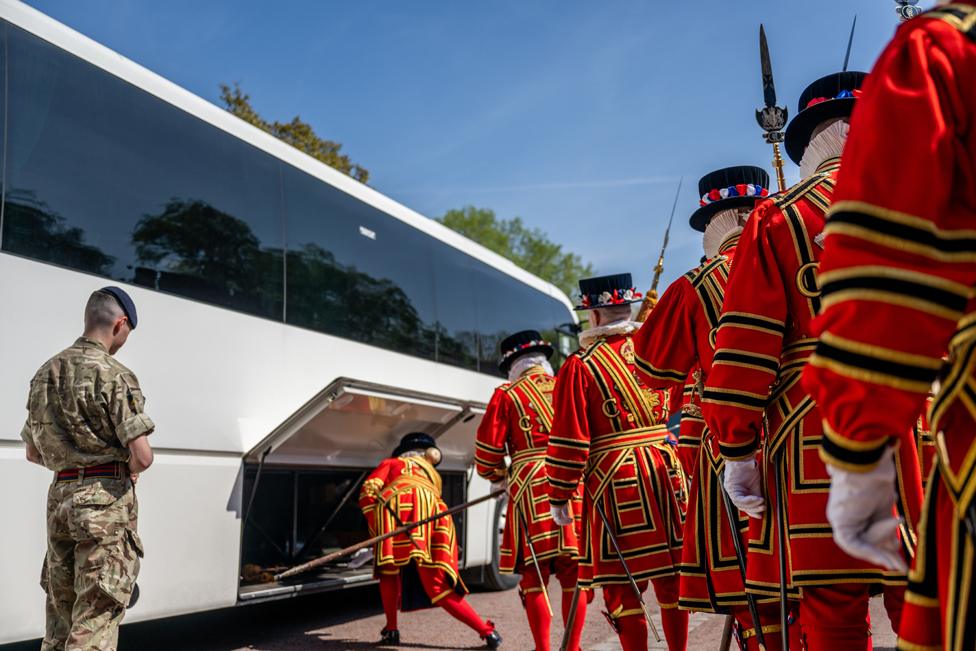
577	116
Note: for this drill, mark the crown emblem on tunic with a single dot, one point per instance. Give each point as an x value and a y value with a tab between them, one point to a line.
627	351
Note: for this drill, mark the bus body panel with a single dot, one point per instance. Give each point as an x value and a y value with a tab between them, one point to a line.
24	487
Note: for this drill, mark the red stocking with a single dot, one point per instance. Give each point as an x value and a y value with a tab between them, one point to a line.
539	618
675	621
675	628
632	631
577	633
390	596
462	611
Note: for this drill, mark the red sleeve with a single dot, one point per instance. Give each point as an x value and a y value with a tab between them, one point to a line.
489	453
750	337
569	442
372	486
679	399
900	253
664	345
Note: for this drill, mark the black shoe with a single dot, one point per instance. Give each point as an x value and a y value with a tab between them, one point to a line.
389	637
493	640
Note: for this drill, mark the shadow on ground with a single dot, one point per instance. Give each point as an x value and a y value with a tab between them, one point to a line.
276	626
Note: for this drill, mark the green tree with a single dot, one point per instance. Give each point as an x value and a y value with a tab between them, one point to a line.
296	133
529	248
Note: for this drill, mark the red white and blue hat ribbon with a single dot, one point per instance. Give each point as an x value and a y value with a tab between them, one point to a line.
738	190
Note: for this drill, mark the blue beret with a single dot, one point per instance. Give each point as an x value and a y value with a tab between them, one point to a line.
125	302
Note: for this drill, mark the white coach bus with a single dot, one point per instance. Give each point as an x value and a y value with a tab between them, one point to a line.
293	324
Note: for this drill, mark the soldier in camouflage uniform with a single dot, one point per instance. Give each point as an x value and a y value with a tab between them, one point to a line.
86	423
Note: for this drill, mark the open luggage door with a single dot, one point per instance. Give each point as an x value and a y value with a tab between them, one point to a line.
301	482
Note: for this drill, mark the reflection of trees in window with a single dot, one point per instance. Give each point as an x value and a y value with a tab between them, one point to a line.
326	295
195	250
461	349
490	344
33	229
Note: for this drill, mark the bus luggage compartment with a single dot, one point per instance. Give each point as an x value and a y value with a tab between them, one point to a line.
299	514
301	483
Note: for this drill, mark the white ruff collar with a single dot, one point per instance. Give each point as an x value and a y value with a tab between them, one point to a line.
587	337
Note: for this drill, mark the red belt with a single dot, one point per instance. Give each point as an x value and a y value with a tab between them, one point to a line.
116	470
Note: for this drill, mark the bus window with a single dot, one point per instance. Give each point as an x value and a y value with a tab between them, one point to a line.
457	298
105	178
356	272
506	305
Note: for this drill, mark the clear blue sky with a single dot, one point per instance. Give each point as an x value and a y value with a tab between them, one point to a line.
578	116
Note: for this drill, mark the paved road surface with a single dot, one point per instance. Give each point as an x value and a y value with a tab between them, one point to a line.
352	619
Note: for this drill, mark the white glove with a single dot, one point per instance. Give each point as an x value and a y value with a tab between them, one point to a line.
560	514
860	510
501	484
743	483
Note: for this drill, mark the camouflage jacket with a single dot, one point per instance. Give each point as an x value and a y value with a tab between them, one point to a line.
84	408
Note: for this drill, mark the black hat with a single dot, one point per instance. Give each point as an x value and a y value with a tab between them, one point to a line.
607	291
829	97
414	441
522	343
729	187
124	301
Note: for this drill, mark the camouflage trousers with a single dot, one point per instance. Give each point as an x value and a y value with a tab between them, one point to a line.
92	562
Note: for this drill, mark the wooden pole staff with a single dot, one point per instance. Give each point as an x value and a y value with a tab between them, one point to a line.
328	558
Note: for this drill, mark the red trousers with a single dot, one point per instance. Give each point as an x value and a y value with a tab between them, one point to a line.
441	592
836	617
624	611
769	620
566	570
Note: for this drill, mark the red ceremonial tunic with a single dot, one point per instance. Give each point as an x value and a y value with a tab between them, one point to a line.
517	423
609	432
763	344
710	576
898	275
666	354
403	490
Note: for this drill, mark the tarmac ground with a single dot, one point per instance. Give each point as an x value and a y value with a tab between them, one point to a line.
352	619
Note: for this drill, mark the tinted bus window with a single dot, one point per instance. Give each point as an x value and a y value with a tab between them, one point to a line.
355	271
107	179
506	305
457	307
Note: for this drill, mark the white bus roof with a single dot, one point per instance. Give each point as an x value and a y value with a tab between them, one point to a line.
81	46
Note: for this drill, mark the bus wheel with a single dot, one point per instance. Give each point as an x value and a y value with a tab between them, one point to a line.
493	579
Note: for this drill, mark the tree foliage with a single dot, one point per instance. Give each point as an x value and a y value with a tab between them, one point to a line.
296	133
529	248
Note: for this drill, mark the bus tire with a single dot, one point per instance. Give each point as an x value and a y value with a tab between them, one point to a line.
493	579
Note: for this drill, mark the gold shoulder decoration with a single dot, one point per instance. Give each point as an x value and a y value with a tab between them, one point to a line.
627	350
